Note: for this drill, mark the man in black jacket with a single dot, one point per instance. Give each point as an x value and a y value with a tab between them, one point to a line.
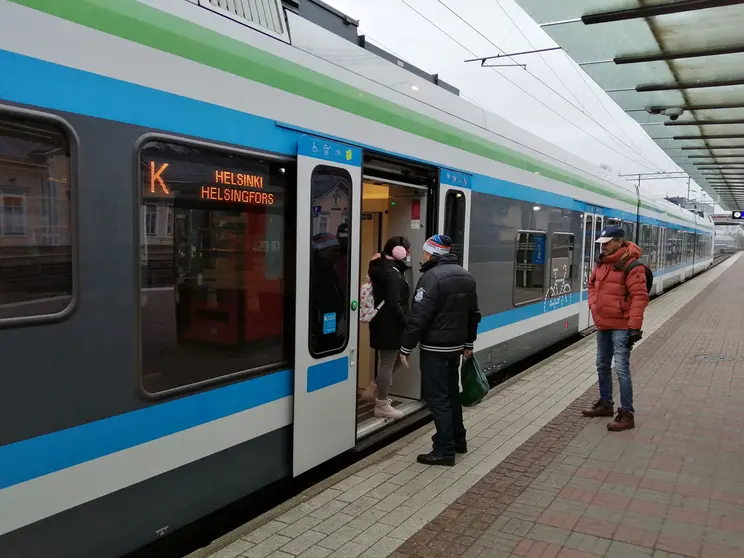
444	322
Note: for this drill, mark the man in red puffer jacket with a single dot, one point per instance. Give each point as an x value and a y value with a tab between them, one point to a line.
617	300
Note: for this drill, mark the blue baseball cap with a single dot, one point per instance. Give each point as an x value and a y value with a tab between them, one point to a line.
610	233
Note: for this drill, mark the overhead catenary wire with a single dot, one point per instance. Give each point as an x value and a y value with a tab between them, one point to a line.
578	72
463	20
531	95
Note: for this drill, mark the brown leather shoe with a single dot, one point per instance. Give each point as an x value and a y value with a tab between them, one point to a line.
623	421
601	408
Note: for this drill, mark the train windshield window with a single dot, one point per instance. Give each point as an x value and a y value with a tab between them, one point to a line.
454	221
330	264
561	264
214	247
529	267
36	270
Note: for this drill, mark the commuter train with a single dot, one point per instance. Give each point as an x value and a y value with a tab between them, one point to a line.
191	191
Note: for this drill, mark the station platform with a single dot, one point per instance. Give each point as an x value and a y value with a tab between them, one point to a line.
540	481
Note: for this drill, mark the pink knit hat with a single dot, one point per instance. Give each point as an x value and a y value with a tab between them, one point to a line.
399	253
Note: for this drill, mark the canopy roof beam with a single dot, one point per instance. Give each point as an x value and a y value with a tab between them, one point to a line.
716	157
708	137
658	109
678	86
711	148
703	122
655	10
678	55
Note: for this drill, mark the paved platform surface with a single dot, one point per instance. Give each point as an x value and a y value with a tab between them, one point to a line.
542	482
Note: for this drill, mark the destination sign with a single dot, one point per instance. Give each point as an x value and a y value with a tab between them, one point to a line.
193	180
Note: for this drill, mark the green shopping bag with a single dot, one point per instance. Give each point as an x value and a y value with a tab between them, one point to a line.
474	382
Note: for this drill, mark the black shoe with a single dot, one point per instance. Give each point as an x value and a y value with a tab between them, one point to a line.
436	459
461	447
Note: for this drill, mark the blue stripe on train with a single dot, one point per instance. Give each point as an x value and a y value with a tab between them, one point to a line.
35	457
45	84
495	321
48	85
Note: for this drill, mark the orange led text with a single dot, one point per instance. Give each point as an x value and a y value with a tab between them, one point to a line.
238	179
216	193
156	177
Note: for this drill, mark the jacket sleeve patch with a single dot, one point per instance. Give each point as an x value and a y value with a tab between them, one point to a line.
420	292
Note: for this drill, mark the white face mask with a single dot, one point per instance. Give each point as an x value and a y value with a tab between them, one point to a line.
407	260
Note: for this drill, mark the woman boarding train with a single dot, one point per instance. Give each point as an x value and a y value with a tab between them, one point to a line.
389	284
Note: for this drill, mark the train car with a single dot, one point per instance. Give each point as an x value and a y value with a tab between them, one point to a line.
190	192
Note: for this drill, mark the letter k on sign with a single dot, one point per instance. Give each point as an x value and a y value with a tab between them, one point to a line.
156	177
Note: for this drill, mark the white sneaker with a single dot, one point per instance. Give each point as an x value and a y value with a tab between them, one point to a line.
384	409
369	393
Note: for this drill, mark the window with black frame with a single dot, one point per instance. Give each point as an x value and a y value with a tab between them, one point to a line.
561	264
454	222
529	267
216	248
36	231
330	260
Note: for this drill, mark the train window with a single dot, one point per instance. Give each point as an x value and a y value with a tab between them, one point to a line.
454	221
588	249
214	246
561	264
629	231
36	268
529	266
329	260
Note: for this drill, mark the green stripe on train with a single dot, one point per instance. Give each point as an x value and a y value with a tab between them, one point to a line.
143	24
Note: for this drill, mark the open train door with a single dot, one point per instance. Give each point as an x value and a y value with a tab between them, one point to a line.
329	189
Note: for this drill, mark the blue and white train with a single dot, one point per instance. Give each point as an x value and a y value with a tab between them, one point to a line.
189	193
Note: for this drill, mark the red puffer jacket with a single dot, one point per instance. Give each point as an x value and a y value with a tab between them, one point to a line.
608	287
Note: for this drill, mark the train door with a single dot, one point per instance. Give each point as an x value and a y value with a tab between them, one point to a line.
593	223
326	326
396	201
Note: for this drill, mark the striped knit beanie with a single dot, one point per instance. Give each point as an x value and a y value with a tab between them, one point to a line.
439	244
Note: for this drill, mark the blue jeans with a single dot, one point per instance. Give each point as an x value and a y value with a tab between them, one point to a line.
440	375
614	343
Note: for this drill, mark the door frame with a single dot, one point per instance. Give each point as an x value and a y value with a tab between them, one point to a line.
325	386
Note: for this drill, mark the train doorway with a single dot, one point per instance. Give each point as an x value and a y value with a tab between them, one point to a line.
397	200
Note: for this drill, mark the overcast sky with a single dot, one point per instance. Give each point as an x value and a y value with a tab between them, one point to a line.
576	113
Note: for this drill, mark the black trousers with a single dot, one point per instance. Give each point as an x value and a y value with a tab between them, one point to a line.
440	381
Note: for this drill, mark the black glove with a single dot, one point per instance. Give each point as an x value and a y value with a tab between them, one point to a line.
634	335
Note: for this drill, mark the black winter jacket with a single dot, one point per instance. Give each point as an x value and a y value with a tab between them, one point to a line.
388	284
444	315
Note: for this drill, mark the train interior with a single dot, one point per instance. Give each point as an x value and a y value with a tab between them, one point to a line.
396	206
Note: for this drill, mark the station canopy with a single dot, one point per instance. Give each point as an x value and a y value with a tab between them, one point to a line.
677	67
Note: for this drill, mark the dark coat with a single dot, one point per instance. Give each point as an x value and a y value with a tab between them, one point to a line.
444	315
388	284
